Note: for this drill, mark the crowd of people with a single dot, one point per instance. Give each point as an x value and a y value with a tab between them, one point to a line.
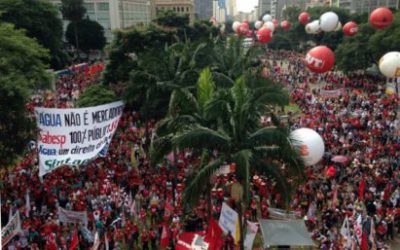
129	202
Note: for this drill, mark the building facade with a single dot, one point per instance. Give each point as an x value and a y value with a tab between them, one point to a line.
203	9
264	6
219	10
178	6
115	14
363	6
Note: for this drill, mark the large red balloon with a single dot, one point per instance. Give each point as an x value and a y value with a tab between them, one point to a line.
381	18
350	29
285	25
264	35
320	59
275	22
304	18
243	29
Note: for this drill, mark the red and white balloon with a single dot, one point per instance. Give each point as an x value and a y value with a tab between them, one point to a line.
258	24
309	144
304	18
350	28
264	35
381	18
270	26
235	26
389	64
313	27
267	18
285	25
275	22
329	21
320	59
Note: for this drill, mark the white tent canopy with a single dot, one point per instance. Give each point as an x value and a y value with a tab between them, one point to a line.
285	233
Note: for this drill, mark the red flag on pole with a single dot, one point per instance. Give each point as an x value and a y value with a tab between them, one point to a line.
213	235
164	241
361	188
74	241
364	242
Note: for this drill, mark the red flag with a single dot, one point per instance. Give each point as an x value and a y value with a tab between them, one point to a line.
364	242
213	235
361	188
74	241
164	242
168	209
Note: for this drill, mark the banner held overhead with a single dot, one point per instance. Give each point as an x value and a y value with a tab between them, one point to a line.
75	136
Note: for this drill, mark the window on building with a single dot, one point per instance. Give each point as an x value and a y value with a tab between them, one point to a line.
89	7
187	9
182	9
103	6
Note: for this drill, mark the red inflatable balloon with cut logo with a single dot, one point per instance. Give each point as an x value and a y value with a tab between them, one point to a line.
285	25
304	18
381	18
350	29
320	59
244	29
275	22
264	35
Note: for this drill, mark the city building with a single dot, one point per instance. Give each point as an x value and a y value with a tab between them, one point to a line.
362	6
318	3
203	9
115	14
230	8
178	6
219	10
264	6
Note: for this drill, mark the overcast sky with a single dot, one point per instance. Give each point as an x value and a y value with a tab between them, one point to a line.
246	5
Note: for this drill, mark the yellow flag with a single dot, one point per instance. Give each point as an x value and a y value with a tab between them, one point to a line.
237	232
134	161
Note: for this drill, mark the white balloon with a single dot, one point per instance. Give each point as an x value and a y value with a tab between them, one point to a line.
329	21
258	24
269	25
267	18
310	144
389	64
339	26
236	25
313	27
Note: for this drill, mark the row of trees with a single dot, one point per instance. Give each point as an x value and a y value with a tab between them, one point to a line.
42	22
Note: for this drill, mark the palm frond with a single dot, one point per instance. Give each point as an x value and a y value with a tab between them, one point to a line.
266	136
159	148
205	88
202	138
200	180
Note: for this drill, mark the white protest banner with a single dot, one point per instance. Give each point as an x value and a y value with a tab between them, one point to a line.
12	228
251	233
68	216
229	220
332	93
75	136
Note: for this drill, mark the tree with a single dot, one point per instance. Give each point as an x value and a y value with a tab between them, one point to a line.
171	19
382	41
231	127
159	75
73	11
353	53
130	44
95	95
40	20
22	70
90	33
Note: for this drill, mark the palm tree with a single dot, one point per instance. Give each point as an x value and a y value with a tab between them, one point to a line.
227	121
161	76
